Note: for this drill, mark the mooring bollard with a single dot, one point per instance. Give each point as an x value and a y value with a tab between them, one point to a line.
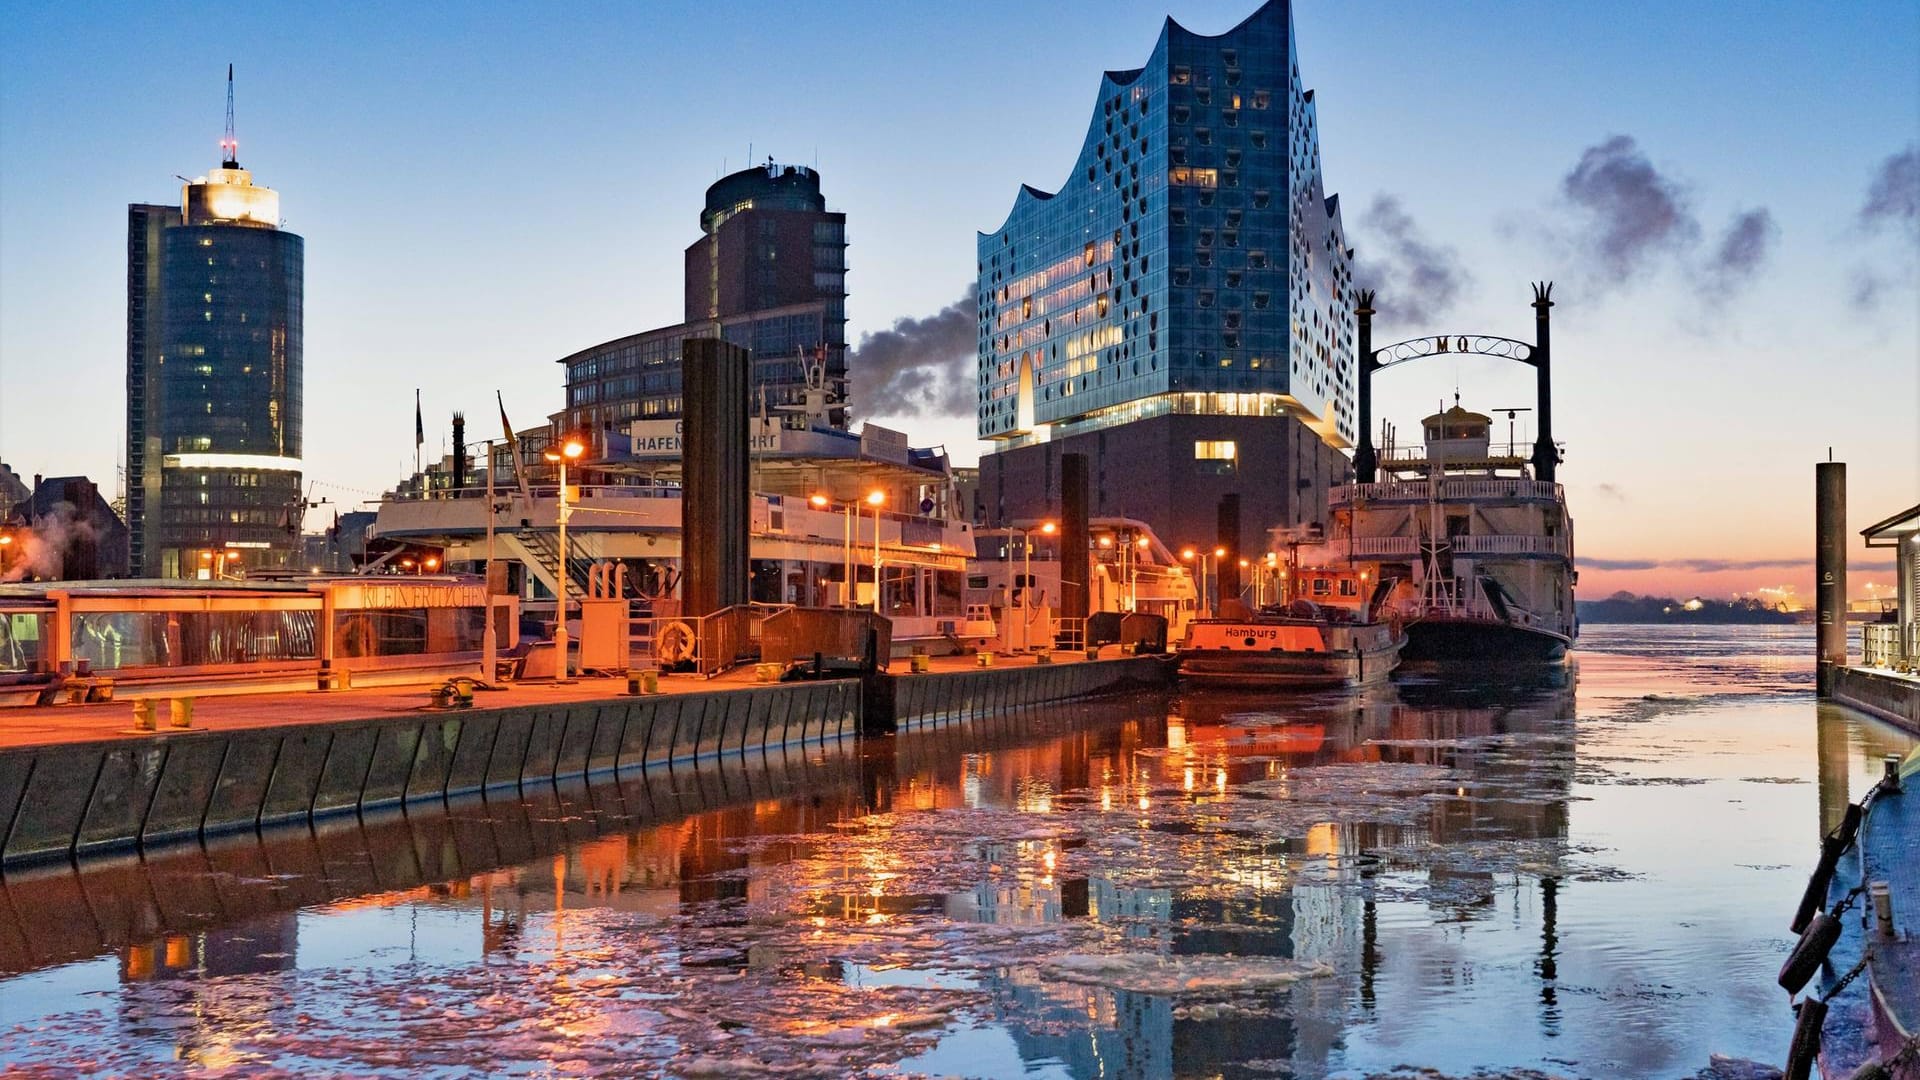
1891	783
922	663
143	714
984	659
180	713
644	682
1882	895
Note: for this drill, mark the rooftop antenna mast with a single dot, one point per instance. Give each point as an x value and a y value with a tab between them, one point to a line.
229	146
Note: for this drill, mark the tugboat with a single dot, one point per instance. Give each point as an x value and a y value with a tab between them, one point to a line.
1329	642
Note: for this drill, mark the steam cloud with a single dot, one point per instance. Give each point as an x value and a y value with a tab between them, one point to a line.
43	548
1893	198
920	367
1635	212
1416	281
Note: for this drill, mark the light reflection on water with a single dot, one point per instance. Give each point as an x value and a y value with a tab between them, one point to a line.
1593	880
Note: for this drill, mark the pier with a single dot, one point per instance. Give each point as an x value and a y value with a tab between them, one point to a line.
77	780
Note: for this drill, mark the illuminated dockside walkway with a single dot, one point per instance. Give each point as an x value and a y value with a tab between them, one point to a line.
77	780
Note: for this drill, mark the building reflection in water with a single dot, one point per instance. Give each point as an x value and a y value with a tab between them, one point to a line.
667	844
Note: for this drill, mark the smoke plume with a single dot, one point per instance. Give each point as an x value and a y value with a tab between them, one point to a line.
1742	248
1634	213
920	367
1416	281
1893	198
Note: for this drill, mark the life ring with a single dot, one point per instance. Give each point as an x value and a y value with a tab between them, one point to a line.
1805	1046
675	643
1809	952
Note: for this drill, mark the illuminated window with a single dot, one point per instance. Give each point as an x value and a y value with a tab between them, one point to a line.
1200	178
1215	456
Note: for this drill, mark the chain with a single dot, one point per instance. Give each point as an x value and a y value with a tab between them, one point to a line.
1845	980
1853	894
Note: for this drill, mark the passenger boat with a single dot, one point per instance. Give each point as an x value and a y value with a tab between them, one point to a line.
1298	642
837	519
1472	552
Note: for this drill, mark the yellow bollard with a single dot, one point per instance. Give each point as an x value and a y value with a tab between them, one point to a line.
1043	658
644	682
143	714
180	713
984	659
921	664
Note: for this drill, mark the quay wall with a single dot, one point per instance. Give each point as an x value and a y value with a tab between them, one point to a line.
1889	697
148	791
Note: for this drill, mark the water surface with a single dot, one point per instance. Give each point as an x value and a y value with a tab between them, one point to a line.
1587	876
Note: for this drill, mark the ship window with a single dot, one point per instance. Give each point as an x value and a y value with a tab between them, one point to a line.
1349	587
1321	586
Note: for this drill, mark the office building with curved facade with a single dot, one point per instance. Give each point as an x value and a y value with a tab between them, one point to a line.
1178	309
214	372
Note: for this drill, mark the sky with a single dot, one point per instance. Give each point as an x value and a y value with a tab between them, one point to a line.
1724	195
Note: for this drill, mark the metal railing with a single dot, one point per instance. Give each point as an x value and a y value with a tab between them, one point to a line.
1883	648
1509	545
1375	546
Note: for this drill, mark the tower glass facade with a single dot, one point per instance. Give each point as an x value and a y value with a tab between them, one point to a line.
1191	264
768	274
214	362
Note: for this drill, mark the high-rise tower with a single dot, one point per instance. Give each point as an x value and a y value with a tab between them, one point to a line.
1178	310
214	366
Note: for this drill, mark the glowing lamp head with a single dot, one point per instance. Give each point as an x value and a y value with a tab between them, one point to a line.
876	498
5	539
1219	553
206	556
1187	554
1243	563
1106	541
818	502
1142	542
433	563
1049	528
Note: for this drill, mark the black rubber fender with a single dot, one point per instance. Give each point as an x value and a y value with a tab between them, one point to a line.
1809	952
1815	897
1849	826
1805	1046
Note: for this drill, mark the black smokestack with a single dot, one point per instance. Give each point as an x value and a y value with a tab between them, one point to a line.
459	451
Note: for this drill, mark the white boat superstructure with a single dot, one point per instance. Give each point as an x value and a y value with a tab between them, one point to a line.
1464	545
838	519
1014	577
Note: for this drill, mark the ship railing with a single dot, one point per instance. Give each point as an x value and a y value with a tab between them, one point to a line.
1509	545
1421	491
1379	546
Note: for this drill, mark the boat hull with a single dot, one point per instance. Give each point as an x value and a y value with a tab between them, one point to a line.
1480	643
1343	657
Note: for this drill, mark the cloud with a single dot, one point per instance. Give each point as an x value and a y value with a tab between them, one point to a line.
1611	491
1719	566
1893	196
1742	249
920	367
1416	280
1634	213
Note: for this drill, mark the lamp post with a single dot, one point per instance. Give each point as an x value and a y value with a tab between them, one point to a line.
1045	528
569	449
820	501
876	499
489	638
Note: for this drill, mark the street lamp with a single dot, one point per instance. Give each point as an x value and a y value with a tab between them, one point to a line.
820	501
1045	528
876	499
569	449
